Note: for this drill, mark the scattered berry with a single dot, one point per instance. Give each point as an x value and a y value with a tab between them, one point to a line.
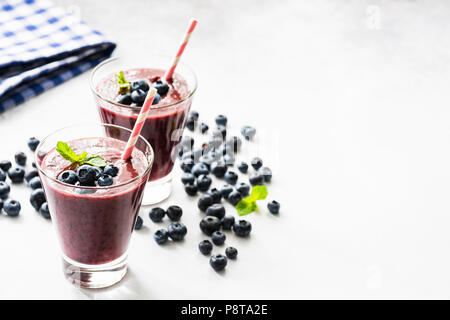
21	158
234	197
177	231
215	194
216	210
5	165
209	224
218	169
193	114
256	163
227	222
139	223
274	207
242	228
226	190
187	164
231	177
191	123
199	169
266	173
2	175
248	132
69	177
4	190
256	179
44	211
221	120
16	174
30	175
161	236
204	202
231	253
35	183
244	189
12	208
205	247
33	143
218	238
218	262
243	167
203	127
157	214
37	198
204	182
174	213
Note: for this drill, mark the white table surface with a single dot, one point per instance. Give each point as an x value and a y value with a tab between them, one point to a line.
350	100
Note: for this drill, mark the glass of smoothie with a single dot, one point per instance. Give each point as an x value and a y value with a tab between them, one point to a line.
94	214
167	117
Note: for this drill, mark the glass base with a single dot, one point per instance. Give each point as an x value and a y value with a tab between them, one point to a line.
158	190
95	276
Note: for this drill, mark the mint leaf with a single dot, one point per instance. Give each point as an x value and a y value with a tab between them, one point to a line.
67	153
124	85
259	193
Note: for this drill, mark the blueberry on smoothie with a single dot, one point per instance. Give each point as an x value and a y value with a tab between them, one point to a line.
157	214
177	231
124	99
86	175
16	174
37	198
218	238
33	143
205	247
12	208
138	96
21	158
161	87
105	180
156	99
139	85
161	236
218	262
69	177
174	213
111	170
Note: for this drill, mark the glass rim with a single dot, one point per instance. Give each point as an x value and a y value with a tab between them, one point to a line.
137	108
40	169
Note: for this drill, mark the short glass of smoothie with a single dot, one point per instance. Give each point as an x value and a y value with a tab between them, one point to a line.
94	215
166	119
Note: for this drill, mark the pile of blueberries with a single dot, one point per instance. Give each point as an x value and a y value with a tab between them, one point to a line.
17	175
139	89
90	176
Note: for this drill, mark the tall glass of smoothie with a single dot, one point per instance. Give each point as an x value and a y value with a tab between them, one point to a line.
167	117
94	198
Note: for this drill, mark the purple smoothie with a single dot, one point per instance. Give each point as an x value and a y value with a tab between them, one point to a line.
165	122
95	224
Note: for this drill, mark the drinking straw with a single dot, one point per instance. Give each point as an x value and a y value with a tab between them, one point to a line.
139	124
190	29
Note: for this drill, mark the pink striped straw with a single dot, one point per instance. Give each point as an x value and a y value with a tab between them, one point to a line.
139	124
189	31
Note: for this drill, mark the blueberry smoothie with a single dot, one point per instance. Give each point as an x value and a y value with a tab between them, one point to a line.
94	202
165	121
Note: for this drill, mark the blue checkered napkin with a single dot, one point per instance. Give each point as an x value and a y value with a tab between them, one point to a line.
41	46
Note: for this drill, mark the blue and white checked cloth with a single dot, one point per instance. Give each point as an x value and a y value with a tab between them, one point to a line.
41	46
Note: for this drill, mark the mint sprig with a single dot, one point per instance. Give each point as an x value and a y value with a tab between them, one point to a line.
79	159
124	85
248	204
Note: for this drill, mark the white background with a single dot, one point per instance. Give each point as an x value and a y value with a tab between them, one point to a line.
351	103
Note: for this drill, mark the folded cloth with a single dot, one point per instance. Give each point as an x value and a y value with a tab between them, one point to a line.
41	46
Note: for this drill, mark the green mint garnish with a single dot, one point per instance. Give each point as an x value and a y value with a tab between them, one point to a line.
124	85
79	159
248	204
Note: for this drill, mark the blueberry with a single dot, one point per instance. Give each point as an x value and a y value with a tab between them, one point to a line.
44	211
243	167
161	236
218	262
234	143
228	159
191	123
274	207
256	163
193	114
221	120
242	228
226	190
215	194
231	177
243	189
231	253
187	177
33	164
139	223
105	180
35	183
205	247
16	174
68	176
33	143
266	173
218	169
203	127
220	132
203	182
21	158
162	88
227	222
234	197
187	165
218	238
138	96
256	179
4	190
2	175
187	142
37	198
180	152
98	172
1	205
204	202
157	214
5	165
216	210
86	175
248	132
177	231
140	85
30	175
174	213
191	189
209	224
199	169
124	99
156	99
111	170
12	208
